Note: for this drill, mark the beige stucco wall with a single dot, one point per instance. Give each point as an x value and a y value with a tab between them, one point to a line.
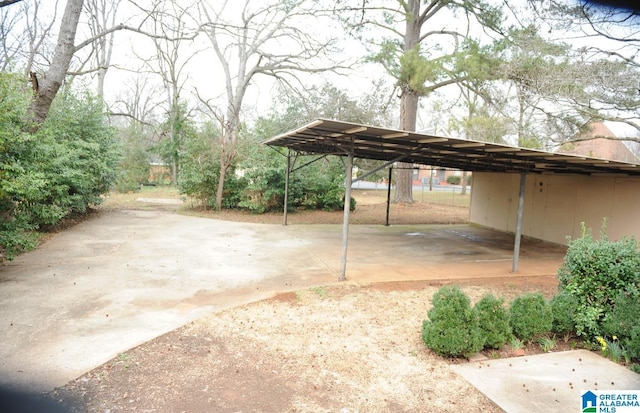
555	205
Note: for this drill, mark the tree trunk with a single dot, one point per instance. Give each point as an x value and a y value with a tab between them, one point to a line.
464	183
404	174
220	190
227	155
408	104
54	77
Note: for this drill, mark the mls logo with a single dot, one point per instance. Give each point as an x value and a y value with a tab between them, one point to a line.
611	401
589	402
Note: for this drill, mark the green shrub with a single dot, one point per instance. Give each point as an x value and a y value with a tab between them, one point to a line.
623	322
319	185
595	272
59	170
624	315
631	343
530	315
452	328
493	320
134	165
563	308
454	179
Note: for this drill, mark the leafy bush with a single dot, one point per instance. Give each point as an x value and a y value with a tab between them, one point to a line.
493	320
452	328
199	163
319	185
454	179
623	322
57	171
134	165
530	315
17	183
631	342
595	272
563	308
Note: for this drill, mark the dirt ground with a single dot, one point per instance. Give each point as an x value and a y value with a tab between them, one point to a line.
344	347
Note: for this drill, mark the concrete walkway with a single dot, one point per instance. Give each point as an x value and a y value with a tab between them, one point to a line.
552	382
125	277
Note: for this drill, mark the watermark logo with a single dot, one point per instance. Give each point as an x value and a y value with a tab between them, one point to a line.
611	401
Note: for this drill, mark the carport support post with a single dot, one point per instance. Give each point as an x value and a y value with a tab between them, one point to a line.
345	219
286	187
516	247
386	222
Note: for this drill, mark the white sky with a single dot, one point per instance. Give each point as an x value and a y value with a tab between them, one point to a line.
205	75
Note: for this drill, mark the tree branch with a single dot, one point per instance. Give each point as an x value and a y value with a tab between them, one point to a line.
123	26
5	3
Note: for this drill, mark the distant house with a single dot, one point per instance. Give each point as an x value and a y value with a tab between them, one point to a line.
434	175
437	175
159	172
598	143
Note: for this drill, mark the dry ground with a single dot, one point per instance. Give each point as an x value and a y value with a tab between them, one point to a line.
337	348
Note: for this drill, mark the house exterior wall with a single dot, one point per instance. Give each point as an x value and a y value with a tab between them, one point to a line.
421	176
556	205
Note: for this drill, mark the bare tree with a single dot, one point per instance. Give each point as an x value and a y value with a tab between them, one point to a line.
102	16
139	101
25	36
172	38
269	39
609	57
9	41
65	49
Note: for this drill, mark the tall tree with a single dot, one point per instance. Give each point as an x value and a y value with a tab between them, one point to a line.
173	32
102	16
609	54
423	38
252	38
24	34
51	81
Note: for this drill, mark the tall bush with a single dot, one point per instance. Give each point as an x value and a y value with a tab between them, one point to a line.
319	185
595	272
83	151
60	170
199	161
452	328
623	322
19	182
134	164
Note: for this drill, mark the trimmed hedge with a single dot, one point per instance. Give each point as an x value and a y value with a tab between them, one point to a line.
452	328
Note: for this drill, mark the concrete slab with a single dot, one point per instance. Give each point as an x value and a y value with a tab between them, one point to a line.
113	282
119	280
551	382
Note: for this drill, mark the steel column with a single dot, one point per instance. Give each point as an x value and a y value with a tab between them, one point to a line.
516	247
345	220
286	187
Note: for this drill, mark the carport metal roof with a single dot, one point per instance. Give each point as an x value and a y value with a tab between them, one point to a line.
333	137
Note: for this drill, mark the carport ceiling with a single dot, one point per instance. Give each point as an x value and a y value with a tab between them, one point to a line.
333	137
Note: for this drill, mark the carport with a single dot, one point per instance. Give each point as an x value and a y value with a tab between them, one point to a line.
352	140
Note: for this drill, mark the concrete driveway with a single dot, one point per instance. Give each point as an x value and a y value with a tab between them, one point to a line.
125	277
